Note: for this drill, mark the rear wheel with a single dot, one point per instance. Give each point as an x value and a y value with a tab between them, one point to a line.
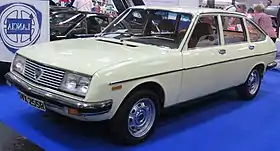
250	88
136	117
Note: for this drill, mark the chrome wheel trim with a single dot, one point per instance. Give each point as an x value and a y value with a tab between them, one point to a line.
253	82
141	117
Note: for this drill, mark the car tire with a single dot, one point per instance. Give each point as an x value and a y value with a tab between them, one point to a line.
250	88
136	118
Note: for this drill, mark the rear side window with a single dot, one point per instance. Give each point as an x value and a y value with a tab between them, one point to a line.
234	30
255	33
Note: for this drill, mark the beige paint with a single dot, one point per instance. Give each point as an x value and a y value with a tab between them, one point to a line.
108	63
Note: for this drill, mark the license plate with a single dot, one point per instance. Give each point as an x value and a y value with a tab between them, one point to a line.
40	105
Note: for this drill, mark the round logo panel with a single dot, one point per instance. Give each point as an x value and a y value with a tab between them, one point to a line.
20	25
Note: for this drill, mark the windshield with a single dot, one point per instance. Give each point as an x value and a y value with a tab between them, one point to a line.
154	27
62	22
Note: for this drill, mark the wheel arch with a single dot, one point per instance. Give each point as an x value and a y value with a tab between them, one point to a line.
261	67
152	86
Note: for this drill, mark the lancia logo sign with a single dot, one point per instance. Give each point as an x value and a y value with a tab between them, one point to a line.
20	25
37	73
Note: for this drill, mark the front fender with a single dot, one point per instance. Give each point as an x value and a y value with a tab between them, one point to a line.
128	75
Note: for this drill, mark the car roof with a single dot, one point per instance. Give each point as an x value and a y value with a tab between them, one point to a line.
192	10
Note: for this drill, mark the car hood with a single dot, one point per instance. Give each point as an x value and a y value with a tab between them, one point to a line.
87	55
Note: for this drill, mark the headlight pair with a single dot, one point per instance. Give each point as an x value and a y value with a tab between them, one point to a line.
72	83
76	84
18	64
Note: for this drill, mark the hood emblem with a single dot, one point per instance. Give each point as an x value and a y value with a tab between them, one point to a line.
38	73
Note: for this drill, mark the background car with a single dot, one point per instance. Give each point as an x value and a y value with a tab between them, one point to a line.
52	3
75	24
272	10
56	9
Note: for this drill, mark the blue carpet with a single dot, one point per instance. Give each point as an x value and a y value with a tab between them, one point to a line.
220	123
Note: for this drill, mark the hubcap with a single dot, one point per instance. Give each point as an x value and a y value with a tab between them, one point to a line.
253	82
141	117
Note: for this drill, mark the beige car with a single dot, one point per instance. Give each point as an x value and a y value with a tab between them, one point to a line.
148	59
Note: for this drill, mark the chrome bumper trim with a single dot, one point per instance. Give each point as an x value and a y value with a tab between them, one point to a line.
271	65
57	99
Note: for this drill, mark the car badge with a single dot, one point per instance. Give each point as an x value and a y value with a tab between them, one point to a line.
37	73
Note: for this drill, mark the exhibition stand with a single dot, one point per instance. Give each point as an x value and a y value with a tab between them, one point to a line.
219	123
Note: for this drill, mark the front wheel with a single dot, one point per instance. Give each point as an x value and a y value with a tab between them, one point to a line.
136	117
250	88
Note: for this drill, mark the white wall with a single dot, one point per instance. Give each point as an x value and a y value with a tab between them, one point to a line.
190	3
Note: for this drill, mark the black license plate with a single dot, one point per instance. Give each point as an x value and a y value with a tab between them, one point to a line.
40	105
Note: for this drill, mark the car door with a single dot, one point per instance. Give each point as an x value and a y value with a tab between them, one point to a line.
200	57
236	63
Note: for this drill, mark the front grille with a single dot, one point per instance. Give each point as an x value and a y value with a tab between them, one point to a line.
43	75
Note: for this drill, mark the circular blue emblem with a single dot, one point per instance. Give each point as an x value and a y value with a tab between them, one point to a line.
20	25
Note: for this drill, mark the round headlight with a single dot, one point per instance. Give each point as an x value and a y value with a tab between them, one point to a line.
71	82
84	89
18	64
71	85
75	84
83	84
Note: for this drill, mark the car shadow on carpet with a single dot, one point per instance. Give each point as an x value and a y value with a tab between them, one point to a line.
84	136
2	81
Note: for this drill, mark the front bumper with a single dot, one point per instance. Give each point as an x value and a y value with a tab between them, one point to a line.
59	103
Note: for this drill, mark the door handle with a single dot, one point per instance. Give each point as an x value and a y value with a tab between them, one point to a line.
222	51
251	47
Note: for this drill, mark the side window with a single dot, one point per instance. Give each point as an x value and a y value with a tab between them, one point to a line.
80	28
102	21
255	33
94	24
205	33
234	30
